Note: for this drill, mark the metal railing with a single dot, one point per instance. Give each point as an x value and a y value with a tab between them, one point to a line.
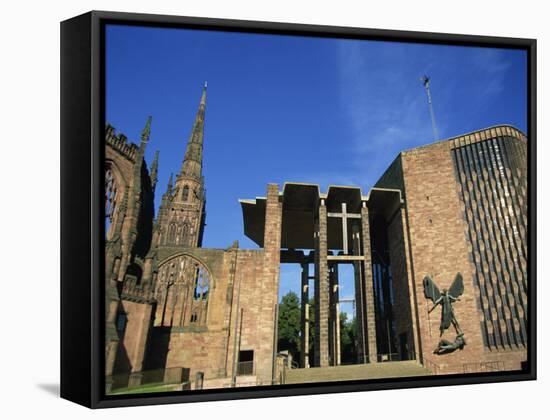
249	383
245	368
495	366
474	367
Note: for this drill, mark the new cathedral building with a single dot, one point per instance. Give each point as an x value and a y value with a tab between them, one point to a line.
178	313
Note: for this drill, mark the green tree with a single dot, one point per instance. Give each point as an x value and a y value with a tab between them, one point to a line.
348	339
289	325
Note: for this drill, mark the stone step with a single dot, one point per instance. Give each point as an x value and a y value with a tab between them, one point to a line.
351	372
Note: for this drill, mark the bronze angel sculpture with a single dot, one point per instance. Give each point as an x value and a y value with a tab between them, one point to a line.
446	298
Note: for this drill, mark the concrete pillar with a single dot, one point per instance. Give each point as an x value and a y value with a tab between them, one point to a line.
360	307
334	317
338	345
304	343
322	290
369	289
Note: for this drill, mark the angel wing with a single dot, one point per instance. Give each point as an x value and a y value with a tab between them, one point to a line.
430	289
457	288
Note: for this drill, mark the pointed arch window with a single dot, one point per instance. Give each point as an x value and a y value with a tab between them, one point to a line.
183	292
172	230
185	234
202	286
111	201
185	193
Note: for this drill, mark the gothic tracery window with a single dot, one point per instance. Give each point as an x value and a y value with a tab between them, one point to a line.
172	229
111	196
183	290
185	234
201	286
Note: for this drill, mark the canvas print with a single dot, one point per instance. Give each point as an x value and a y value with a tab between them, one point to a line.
284	209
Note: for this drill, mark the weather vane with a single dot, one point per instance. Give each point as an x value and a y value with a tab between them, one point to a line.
426	82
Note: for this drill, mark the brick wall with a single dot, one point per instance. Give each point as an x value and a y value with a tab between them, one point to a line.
440	247
400	281
321	292
269	285
239	290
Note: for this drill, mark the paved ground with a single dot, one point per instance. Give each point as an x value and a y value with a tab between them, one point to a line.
350	372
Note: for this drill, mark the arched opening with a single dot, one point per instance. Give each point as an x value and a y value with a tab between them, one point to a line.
184	240
172	230
112	193
183	291
185	193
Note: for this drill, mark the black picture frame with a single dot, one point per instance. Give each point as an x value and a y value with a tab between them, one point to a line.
82	144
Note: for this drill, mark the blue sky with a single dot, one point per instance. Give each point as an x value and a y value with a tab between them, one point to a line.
287	108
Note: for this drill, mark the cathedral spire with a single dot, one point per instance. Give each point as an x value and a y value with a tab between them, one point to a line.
192	162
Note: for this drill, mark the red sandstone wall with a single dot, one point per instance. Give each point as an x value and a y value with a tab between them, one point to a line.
135	334
400	281
238	285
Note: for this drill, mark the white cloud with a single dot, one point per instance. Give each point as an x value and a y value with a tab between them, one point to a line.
385	103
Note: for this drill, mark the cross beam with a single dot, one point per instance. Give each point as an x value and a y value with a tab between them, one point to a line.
345	216
352	301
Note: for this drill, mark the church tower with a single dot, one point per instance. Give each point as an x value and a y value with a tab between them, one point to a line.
182	211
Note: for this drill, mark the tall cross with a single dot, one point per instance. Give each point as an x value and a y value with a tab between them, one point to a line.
345	216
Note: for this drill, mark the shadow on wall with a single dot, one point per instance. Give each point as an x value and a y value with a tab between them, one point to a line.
157	351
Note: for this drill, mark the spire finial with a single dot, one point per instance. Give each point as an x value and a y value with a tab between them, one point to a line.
146	130
205	84
154	170
169	188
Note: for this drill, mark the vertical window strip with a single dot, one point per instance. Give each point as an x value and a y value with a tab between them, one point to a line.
484	292
513	183
513	204
483	206
494	336
481	289
517	244
475	198
489	206
491	194
493	190
510	248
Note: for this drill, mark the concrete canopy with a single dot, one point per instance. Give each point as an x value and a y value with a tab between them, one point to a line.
384	202
300	205
254	219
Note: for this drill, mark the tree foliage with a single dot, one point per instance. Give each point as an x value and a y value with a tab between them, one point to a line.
289	325
348	339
